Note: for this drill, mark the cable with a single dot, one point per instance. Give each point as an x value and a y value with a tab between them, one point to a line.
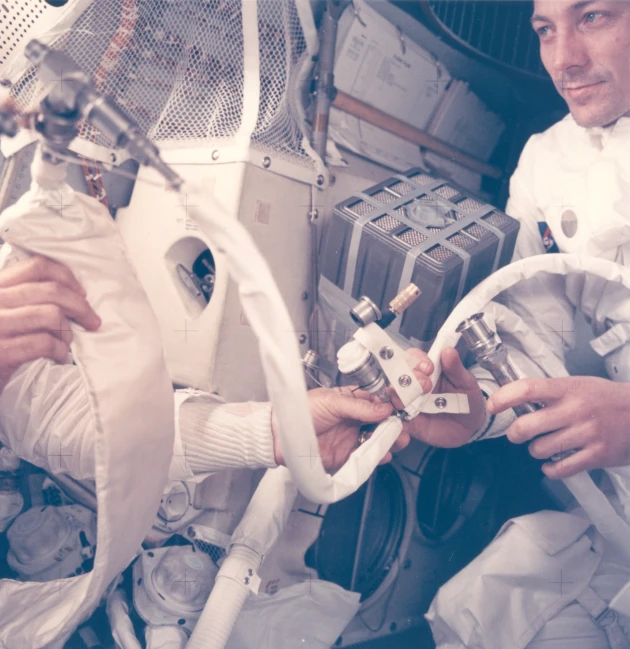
312	377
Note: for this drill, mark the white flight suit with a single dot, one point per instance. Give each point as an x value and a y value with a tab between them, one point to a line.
546	577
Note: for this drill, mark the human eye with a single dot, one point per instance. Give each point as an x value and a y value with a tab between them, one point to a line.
593	18
542	30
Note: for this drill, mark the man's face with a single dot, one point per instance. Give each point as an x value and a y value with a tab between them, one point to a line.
585	47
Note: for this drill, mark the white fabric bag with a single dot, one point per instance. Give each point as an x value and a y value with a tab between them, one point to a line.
129	391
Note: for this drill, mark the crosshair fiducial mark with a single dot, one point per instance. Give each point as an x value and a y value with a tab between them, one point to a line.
59	455
185	581
561	582
186	331
60	207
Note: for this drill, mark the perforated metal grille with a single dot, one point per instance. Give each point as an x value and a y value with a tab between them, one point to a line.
445	191
476	231
439	253
386	223
461	241
412	237
421	179
469	205
177	66
384	197
360	208
401	188
496	219
213	551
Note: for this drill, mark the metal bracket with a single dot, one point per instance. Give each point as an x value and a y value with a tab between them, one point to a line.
395	363
241	575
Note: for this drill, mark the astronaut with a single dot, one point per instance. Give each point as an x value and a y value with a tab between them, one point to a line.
45	419
573	181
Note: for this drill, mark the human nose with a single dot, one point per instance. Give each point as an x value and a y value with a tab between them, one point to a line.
569	56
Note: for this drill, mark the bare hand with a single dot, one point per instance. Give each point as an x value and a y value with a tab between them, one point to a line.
38	298
585	413
338	415
447	430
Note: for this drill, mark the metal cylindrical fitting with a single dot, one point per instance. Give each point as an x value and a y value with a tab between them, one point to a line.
404	299
492	355
477	335
362	369
488	349
365	312
368	376
311	360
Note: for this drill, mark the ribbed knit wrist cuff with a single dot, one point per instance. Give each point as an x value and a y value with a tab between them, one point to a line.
226	436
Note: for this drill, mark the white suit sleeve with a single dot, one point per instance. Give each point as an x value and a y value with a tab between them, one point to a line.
45	419
541	301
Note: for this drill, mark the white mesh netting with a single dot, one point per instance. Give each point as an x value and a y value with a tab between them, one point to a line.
177	67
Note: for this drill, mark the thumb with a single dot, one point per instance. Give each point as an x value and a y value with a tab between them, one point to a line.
455	372
365	410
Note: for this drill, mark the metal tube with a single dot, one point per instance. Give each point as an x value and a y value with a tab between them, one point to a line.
325	78
492	355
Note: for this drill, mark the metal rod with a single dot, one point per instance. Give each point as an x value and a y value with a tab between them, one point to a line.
388	123
74	489
325	77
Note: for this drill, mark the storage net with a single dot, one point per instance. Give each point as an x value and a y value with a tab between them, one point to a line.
178	68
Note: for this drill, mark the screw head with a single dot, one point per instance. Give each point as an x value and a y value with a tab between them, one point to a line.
215	155
112	157
191	532
404	380
320	180
314	215
304	295
386	352
440	402
266	162
250	572
246	580
302	339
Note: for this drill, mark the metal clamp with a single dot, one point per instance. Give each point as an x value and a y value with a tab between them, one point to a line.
393	361
247	577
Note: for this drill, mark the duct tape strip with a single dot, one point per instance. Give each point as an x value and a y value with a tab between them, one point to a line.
359	224
477	216
432	239
441	239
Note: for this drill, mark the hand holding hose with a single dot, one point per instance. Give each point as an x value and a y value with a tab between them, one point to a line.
586	413
338	415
